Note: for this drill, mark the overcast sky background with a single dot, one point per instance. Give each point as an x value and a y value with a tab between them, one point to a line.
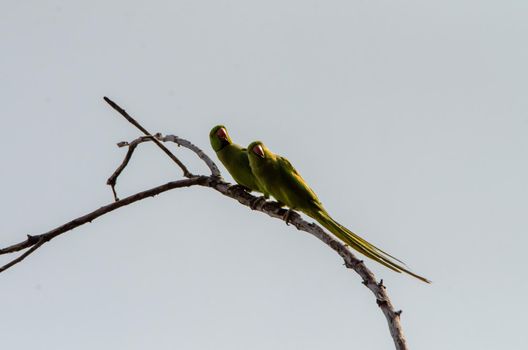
408	118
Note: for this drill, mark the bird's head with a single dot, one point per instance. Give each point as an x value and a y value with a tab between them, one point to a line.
258	151
219	137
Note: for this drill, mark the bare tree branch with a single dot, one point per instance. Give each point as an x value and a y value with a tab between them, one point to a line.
273	209
201	154
48	236
131	148
186	173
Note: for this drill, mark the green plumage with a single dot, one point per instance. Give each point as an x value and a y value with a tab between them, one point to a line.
233	157
278	178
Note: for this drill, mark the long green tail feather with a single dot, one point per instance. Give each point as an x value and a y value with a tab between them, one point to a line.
372	245
360	244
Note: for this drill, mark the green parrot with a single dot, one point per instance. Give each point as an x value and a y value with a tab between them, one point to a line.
278	178
234	158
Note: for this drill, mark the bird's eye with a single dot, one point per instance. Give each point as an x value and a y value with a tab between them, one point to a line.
257	149
222	133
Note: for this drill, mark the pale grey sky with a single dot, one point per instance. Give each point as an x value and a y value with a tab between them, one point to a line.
408	118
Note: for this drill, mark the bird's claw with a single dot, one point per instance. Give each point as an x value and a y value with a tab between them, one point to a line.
237	187
255	202
287	216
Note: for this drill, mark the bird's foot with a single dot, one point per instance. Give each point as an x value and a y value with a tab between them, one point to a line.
237	187
287	216
255	202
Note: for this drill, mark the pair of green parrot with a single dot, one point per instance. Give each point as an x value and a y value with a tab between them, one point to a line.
258	169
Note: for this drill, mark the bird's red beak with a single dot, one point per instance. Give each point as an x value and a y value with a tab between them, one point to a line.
221	133
258	151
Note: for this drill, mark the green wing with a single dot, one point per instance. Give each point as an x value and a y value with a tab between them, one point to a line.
297	193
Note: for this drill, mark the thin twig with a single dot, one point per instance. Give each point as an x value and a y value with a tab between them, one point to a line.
39	243
113	178
186	172
187	144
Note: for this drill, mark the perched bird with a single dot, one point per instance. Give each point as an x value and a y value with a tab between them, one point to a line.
278	178
234	158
